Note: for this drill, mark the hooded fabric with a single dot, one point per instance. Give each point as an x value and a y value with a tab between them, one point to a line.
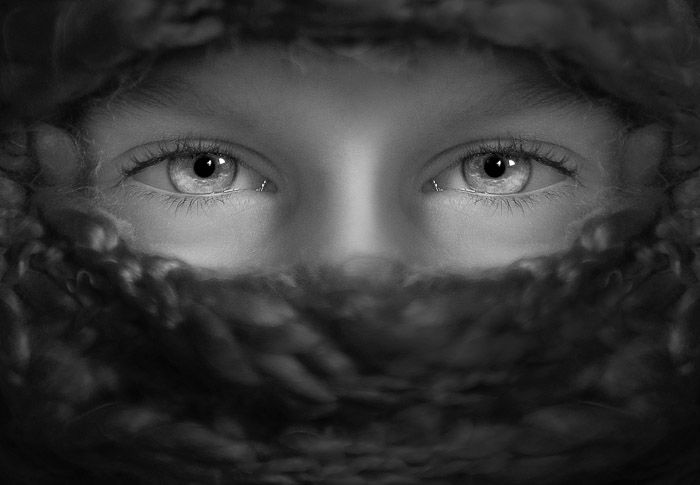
123	367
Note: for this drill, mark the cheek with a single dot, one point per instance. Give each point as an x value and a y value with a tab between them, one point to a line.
233	236
477	236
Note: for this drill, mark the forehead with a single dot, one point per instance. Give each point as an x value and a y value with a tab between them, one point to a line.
457	78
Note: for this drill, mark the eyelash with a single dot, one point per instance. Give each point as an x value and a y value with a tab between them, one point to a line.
162	152
534	150
165	150
177	203
511	203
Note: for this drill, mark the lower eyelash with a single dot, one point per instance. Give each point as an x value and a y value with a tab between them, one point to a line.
177	203
510	203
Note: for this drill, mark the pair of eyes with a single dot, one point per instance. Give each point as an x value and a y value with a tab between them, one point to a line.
489	169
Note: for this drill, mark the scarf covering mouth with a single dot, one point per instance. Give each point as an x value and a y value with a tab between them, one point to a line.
119	367
127	368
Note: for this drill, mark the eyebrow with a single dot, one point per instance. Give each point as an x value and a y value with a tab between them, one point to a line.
160	92
529	92
524	93
168	92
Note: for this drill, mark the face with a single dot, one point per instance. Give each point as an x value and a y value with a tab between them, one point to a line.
264	156
261	157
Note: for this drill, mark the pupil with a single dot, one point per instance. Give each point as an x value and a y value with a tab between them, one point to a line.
204	166
495	166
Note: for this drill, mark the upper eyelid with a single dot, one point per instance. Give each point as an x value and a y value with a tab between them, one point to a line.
515	144
540	155
159	150
163	152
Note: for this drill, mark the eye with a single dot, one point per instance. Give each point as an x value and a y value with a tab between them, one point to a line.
496	173
204	173
500	169
199	168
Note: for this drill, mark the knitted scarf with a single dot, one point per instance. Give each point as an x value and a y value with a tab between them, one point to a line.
123	367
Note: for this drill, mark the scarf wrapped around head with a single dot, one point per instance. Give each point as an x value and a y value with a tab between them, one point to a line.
121	367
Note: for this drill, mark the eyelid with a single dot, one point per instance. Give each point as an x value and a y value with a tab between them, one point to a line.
152	153
539	151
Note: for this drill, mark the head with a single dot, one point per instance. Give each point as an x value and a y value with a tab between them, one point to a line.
536	153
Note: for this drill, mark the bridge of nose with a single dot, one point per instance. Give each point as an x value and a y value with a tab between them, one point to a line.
352	171
351	206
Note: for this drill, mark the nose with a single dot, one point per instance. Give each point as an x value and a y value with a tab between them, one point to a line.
352	209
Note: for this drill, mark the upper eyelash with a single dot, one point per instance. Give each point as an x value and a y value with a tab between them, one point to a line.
535	150
165	149
518	146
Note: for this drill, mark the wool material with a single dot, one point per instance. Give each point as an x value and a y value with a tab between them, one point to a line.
121	367
642	51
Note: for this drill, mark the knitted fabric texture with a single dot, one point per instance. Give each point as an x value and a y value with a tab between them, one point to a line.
126	368
642	51
120	367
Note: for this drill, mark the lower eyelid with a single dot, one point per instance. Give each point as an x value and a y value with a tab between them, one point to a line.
233	202
463	200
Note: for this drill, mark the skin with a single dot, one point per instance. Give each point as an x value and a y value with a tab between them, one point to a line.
352	145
